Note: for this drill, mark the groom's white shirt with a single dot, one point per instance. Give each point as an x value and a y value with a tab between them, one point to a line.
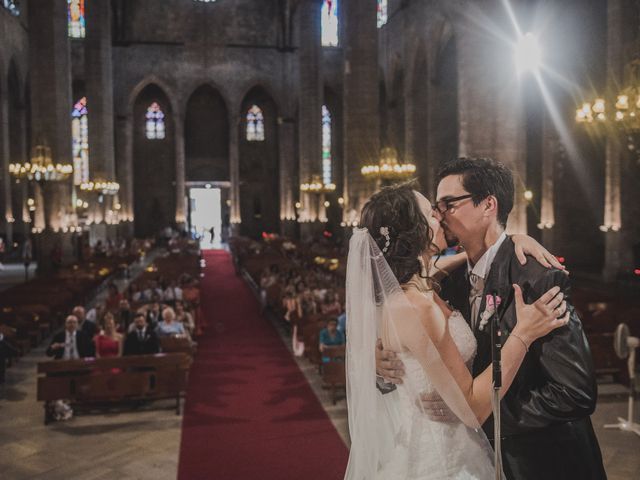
478	274
483	265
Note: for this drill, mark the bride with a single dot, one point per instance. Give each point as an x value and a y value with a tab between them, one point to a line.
391	296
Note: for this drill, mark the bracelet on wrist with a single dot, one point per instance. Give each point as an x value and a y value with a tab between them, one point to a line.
526	347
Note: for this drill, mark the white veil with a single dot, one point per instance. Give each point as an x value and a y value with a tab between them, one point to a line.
375	306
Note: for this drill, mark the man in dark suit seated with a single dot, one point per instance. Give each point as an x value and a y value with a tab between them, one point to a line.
71	342
142	340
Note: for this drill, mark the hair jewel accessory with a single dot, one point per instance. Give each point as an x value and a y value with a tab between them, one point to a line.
384	231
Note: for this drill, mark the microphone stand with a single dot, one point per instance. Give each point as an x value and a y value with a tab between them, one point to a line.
496	360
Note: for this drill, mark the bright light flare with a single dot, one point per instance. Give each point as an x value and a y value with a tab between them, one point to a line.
528	55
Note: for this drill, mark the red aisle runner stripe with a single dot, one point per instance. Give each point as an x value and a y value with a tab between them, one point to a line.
250	413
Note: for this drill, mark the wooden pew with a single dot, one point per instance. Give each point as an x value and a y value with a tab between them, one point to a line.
118	379
333	371
177	345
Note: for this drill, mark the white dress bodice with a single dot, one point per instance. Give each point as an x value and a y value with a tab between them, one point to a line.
429	450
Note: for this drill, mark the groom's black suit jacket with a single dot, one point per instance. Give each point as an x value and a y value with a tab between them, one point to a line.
546	429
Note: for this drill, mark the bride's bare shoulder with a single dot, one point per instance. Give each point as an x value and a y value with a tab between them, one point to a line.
425	304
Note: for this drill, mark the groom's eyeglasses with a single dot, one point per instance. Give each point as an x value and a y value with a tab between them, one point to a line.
446	204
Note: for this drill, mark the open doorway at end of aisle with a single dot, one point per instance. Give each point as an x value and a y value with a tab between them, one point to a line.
205	215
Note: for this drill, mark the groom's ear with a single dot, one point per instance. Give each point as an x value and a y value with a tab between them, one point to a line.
491	205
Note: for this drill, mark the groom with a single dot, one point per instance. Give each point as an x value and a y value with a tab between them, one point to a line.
546	429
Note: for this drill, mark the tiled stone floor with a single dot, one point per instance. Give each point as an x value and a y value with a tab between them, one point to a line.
124	444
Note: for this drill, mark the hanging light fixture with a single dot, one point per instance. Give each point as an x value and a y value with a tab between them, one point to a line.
316	185
41	167
388	167
105	188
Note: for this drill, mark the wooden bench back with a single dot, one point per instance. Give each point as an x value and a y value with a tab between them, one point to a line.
118	378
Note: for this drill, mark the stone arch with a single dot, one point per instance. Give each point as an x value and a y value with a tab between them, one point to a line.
259	167
206	136
154	165
160	83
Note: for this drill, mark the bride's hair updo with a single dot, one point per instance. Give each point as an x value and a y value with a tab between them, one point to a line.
396	207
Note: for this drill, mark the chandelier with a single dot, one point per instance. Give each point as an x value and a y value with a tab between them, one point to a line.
316	185
105	188
388	168
41	167
625	113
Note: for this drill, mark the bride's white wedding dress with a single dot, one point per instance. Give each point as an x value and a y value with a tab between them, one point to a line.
429	450
392	438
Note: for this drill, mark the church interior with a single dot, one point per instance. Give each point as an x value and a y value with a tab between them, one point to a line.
179	180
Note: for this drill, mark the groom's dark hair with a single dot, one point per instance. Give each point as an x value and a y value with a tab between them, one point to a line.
482	177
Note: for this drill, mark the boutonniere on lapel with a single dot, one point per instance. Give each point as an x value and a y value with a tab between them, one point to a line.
490	309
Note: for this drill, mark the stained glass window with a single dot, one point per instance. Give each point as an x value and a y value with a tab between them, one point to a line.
75	10
12	6
326	145
155	122
255	124
382	12
80	141
330	23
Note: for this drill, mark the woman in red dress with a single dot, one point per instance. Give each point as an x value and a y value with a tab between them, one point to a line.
108	341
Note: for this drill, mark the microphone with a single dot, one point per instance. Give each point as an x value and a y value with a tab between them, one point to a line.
496	345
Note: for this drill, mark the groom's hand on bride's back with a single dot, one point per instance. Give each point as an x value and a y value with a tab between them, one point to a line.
434	407
388	366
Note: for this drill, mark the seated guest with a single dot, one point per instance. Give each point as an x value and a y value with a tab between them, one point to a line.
342	322
108	342
135	295
153	291
88	327
185	318
289	303
172	293
125	316
331	337
71	342
331	305
306	304
113	298
154	315
95	313
169	326
7	351
141	340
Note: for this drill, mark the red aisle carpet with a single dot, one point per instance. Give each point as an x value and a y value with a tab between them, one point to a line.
249	413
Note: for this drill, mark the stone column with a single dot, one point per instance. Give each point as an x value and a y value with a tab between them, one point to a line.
124	169
181	207
99	83
360	101
288	181
234	171
310	104
490	108
550	153
50	69
617	242
50	76
5	178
